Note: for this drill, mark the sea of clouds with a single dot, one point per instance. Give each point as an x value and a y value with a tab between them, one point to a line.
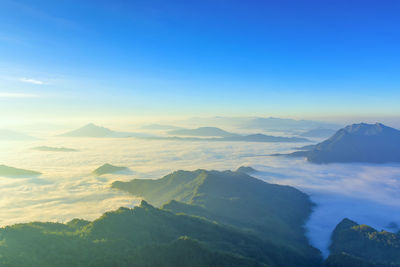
367	194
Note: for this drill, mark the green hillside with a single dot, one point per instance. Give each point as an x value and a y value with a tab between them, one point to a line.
143	236
363	245
271	212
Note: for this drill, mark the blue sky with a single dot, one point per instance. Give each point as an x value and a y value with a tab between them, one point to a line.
325	58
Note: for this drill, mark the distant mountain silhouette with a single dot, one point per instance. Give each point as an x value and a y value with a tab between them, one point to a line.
265	138
246	170
162	127
92	130
7	135
319	133
285	124
7	171
54	149
236	138
109	169
202	131
372	143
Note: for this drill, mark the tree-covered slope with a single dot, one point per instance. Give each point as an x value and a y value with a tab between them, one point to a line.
272	212
143	236
352	242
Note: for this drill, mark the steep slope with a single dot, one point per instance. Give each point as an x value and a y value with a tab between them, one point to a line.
370	143
352	242
374	143
272	212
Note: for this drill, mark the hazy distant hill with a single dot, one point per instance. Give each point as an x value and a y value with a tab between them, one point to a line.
319	133
92	130
109	169
162	127
285	124
202	131
7	135
360	245
372	143
246	169
237	138
271	212
54	149
7	171
265	138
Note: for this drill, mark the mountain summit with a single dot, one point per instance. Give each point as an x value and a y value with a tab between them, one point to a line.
374	143
90	130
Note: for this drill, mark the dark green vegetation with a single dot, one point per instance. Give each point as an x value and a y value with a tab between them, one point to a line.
108	169
143	236
271	213
371	143
54	149
12	172
202	131
361	245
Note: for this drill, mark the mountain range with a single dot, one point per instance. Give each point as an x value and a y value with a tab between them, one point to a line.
202	131
285	124
198	218
271	212
217	134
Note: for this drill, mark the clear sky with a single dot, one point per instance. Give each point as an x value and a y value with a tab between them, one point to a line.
332	58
